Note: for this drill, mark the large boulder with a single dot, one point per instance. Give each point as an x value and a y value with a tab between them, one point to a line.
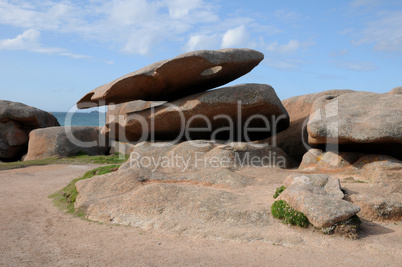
293	140
371	181
16	122
204	154
319	197
361	121
175	78
193	188
230	113
114	111
66	141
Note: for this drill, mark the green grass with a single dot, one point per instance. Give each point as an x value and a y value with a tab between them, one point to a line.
281	210
65	198
75	160
279	190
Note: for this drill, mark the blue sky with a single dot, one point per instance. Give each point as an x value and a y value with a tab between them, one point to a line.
54	52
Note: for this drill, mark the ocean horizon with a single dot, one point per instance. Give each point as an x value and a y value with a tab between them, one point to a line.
80	118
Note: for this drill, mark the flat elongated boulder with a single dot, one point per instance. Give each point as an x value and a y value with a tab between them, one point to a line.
293	140
319	197
16	121
66	141
123	109
361	121
230	113
175	78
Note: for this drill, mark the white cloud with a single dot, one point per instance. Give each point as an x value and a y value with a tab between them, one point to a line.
199	42
236	37
136	26
290	47
28	38
40	15
355	65
182	8
29	41
385	33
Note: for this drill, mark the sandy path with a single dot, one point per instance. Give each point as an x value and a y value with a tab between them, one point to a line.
35	233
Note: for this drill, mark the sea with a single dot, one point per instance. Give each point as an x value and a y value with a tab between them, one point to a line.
80	118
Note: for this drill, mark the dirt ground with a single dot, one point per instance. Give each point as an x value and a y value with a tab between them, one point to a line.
35	233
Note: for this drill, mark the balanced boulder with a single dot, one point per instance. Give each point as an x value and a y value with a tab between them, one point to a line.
241	112
16	121
66	141
361	121
176	78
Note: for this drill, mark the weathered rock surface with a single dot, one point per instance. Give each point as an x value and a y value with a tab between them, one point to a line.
16	121
377	206
316	159
206	198
396	91
361	121
319	197
203	154
293	140
172	79
114	111
372	181
65	142
228	120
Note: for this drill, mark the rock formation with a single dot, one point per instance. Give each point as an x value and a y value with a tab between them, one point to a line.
66	141
194	187
16	122
360	121
371	181
294	140
319	197
229	113
176	78
202	187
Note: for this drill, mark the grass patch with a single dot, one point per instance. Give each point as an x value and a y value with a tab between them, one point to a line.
279	190
75	160
65	198
281	210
